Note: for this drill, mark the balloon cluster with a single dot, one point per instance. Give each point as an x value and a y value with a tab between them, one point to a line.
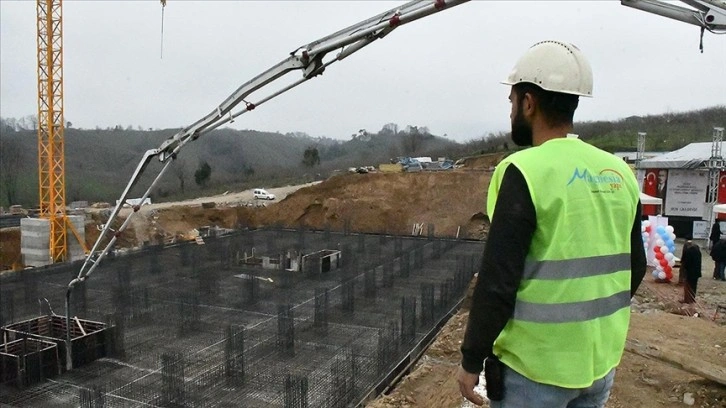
663	249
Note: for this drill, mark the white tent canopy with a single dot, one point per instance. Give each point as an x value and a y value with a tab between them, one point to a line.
719	208
691	156
646	199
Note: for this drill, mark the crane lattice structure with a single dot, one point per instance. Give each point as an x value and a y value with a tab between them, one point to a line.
641	149
51	164
715	165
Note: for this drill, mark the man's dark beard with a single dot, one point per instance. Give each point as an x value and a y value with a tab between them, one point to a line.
521	130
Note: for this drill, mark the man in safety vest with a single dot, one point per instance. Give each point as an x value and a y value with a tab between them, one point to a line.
564	255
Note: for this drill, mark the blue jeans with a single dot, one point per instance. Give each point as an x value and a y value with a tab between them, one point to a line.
521	392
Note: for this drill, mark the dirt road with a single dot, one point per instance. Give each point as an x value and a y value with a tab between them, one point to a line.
229	199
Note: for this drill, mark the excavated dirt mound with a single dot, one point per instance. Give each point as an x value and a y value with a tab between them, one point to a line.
9	248
451	201
484	161
390	203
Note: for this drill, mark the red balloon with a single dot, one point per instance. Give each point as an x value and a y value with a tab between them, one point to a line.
648	229
664	263
669	275
659	255
667	269
656	249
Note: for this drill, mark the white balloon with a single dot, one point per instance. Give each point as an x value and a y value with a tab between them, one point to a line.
672	236
661	275
669	256
660	242
646	223
669	228
671	262
664	250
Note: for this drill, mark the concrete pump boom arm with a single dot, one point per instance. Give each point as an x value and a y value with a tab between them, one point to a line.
710	15
310	59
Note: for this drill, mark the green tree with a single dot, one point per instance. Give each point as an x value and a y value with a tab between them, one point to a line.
202	174
179	169
11	167
311	157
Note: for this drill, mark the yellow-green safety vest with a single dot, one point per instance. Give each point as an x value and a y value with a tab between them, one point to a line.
572	308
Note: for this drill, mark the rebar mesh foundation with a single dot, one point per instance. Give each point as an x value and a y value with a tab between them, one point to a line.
196	327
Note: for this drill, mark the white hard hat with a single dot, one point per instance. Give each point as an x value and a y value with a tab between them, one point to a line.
554	66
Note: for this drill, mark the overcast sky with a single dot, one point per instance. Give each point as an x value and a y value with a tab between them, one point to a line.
442	71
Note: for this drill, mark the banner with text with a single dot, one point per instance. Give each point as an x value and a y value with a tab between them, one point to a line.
686	193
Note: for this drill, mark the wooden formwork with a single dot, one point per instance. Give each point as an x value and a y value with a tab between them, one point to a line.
28	361
89	340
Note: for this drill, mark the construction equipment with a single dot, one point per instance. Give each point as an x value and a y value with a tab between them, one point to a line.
51	164
309	58
710	15
312	59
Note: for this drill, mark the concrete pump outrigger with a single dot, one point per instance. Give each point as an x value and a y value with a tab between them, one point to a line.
311	60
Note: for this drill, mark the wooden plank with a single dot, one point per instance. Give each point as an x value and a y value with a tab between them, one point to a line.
80	326
691	364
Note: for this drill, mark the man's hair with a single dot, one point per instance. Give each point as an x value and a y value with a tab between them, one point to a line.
557	108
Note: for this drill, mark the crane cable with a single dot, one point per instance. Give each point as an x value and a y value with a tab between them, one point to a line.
163	5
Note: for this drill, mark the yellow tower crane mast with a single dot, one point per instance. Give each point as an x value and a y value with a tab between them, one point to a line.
51	165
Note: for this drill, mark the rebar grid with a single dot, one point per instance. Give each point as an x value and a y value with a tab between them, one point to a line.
248	336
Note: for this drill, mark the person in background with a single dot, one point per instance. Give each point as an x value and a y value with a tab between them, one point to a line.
713	239
682	270
690	270
718	254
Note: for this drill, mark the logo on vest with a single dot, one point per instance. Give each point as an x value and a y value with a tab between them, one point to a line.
606	181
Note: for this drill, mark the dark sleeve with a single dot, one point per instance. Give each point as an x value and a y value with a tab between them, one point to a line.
715	233
510	235
637	254
685	259
697	262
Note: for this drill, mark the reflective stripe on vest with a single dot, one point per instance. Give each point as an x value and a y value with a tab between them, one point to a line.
576	268
571	312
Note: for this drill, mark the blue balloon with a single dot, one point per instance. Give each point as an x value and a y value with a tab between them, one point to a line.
660	230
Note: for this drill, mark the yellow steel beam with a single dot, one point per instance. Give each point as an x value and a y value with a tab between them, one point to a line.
51	165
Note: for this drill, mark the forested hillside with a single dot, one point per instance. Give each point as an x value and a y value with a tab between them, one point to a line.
99	162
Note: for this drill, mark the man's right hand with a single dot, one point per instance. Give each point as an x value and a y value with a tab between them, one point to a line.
467	381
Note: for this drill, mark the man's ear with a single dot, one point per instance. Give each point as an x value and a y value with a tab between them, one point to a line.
529	105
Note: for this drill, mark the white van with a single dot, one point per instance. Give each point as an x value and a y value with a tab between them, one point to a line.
262	194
